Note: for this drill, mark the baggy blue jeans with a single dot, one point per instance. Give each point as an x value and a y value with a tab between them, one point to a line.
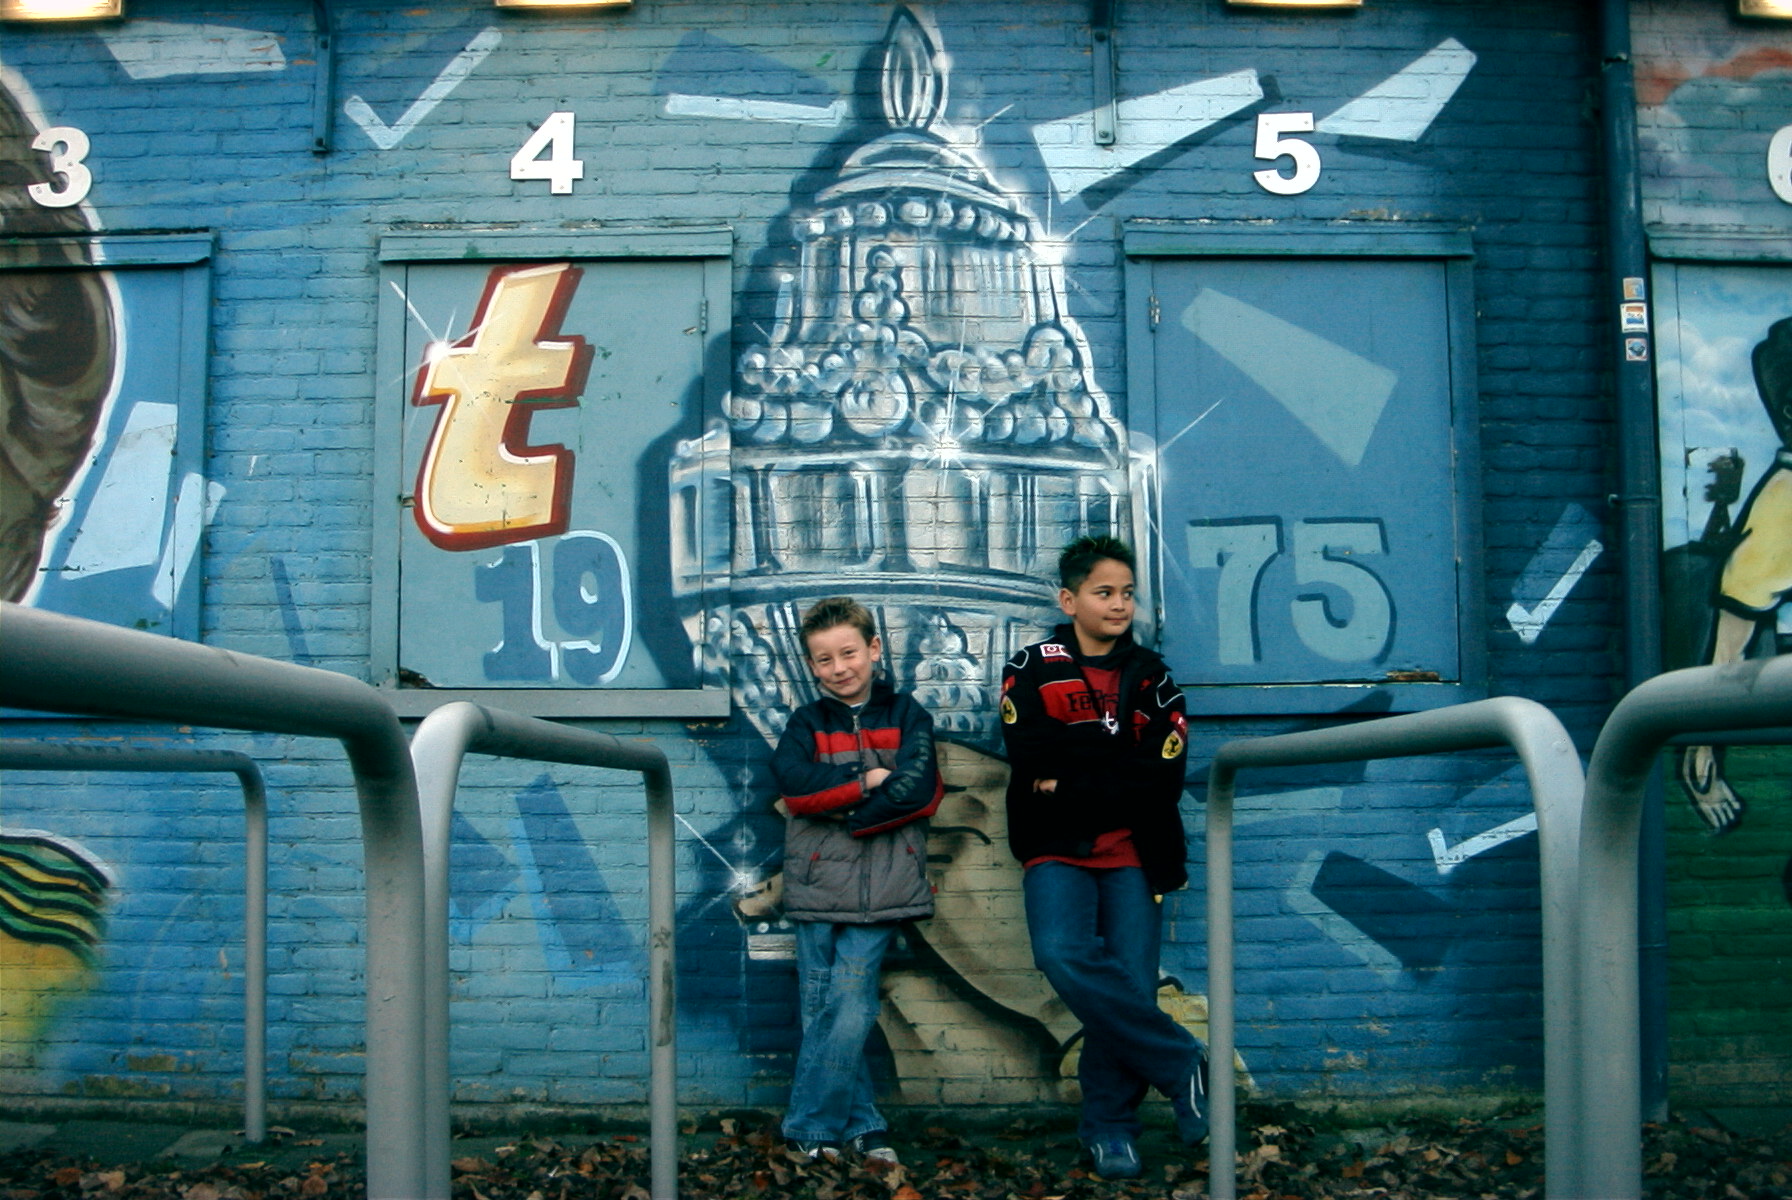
1095	934
837	969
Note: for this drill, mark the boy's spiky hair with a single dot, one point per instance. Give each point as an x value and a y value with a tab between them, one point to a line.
837	610
1078	559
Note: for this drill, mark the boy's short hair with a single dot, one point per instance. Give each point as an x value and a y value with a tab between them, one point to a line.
1078	559
837	610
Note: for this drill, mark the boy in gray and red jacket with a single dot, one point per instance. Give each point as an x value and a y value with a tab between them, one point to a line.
857	776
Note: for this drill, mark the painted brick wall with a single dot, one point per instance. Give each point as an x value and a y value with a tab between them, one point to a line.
1711	97
1365	970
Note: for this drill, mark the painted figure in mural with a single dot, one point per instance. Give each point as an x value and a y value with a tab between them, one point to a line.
53	894
57	352
1756	576
1097	743
857	778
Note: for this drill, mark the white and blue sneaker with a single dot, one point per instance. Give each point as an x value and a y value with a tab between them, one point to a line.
1114	1156
1190	1103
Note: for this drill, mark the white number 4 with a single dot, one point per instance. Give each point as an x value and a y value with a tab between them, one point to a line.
1272	145
559	168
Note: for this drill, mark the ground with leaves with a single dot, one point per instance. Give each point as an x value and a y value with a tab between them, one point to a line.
1283	1157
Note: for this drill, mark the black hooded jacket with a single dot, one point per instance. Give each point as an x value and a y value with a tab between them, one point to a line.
1127	778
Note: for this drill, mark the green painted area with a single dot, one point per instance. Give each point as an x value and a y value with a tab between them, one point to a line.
1730	940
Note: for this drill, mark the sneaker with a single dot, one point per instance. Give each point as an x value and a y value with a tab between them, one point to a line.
1114	1156
811	1151
1190	1103
874	1147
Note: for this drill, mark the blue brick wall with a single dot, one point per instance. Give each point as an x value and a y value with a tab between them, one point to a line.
1363	970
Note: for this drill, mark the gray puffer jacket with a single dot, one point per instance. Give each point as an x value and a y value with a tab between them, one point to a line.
854	854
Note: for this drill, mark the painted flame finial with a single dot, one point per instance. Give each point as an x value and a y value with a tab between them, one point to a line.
914	82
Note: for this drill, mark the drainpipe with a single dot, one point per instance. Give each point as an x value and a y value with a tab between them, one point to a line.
1638	504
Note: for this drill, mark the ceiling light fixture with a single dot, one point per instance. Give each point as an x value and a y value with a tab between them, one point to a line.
1295	3
563	3
59	10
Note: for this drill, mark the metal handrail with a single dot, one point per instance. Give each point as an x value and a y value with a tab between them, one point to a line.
1748	695
437	748
63	756
1554	772
56	663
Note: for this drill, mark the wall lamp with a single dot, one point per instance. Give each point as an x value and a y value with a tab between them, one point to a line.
59	10
563	3
1766	10
1295	3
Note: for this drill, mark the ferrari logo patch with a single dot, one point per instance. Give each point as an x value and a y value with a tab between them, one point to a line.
1009	716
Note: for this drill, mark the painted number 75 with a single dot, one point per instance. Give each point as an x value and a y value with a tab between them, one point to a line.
1344	612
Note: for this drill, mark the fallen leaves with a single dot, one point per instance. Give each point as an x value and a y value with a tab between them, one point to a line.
740	1159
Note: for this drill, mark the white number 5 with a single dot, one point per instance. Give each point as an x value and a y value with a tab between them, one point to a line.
1271	145
66	162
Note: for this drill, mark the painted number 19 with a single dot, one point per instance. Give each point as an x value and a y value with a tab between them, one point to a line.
588	594
1349	622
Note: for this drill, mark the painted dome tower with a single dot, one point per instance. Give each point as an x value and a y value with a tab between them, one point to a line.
920	429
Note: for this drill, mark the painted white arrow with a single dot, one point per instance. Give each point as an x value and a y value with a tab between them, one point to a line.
1402	107
387	136
1449	857
1528	624
1152	123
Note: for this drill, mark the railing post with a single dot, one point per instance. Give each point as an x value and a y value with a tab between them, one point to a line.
438	747
65	756
1554	772
55	663
1748	695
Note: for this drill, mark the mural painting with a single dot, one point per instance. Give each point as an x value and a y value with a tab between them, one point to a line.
917	425
59	346
58	350
1726	428
101	496
53	897
914	418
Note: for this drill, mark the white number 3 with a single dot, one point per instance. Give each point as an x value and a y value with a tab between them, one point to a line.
66	162
1271	144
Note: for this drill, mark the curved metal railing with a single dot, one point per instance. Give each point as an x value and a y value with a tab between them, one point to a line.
1553	769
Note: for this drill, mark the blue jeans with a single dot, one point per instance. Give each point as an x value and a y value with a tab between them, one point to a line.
1095	936
837	968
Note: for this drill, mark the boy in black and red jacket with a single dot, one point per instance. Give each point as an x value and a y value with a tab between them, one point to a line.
857	778
1097	743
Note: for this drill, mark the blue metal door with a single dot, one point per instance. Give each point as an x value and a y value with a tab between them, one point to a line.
1306	454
